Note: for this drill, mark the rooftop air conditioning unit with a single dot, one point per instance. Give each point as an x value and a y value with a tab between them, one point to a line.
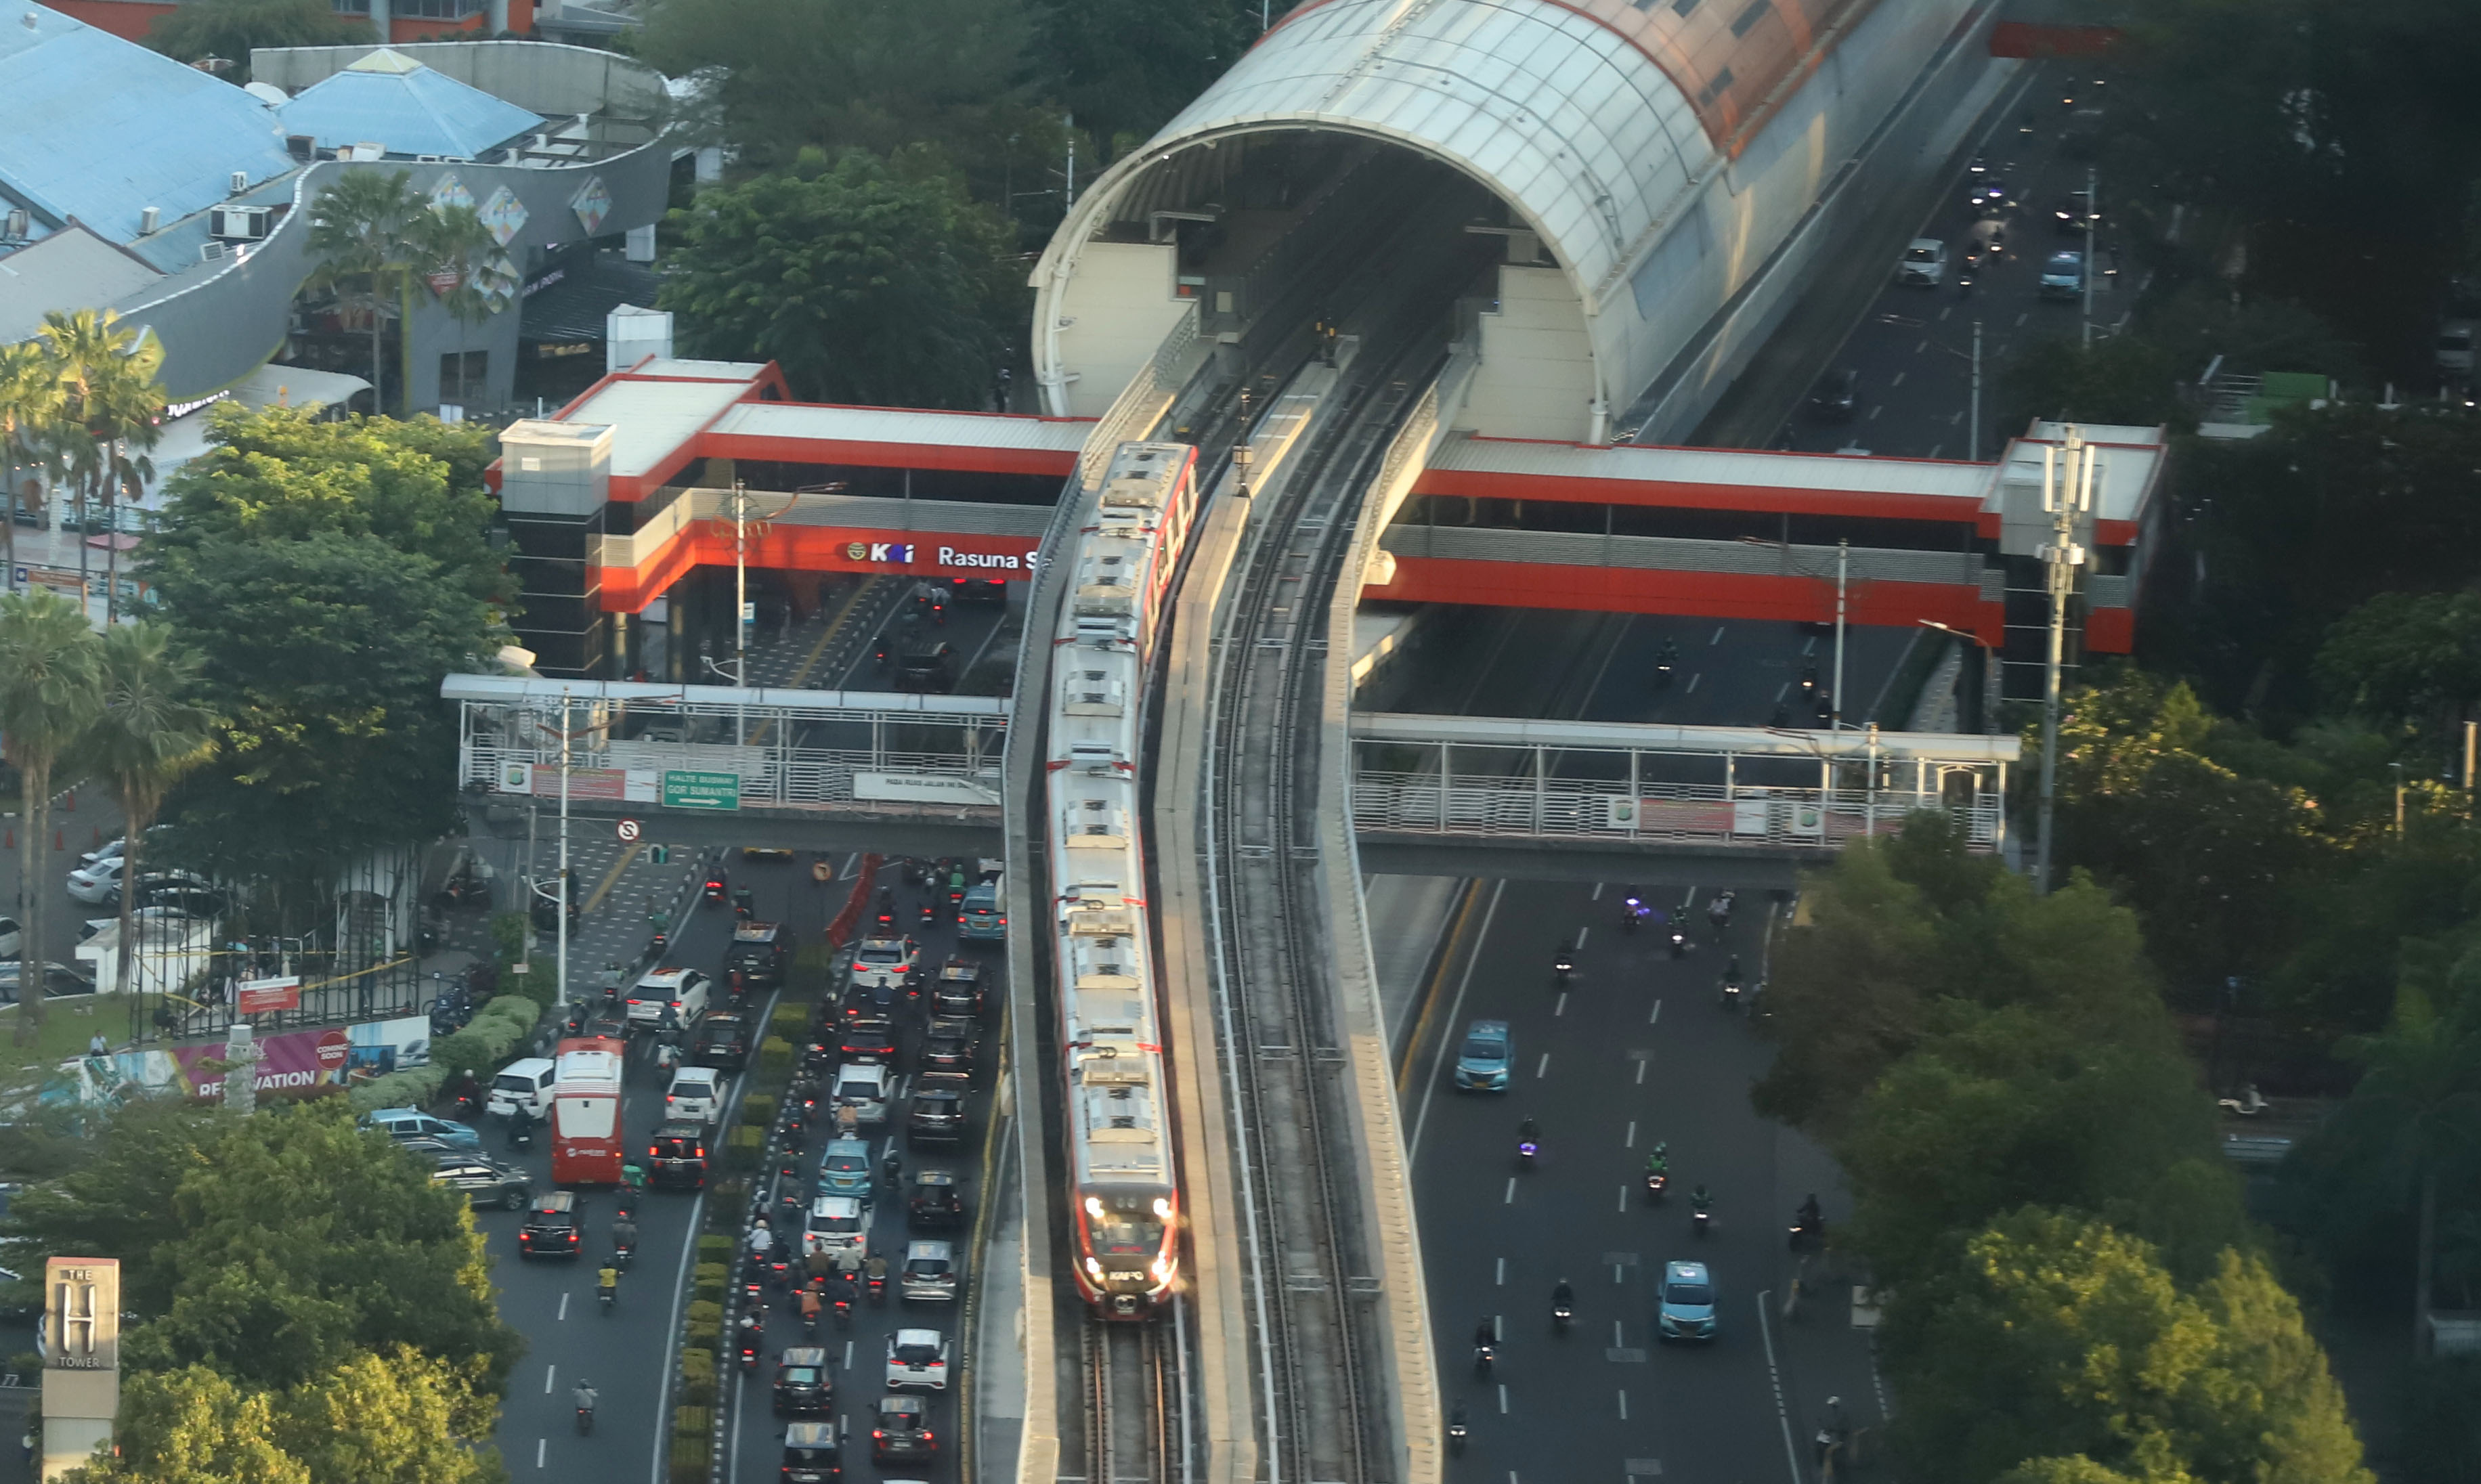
19	223
211	251
240	182
239	223
148	220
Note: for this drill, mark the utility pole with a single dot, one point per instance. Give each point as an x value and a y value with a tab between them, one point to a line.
1842	573
559	965
2093	235
2066	494
1973	439
1070	120
2470	729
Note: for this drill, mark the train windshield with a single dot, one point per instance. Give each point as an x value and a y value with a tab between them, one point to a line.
1128	1227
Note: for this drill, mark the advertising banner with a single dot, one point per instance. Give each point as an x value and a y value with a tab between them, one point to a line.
289	1061
257	996
927	788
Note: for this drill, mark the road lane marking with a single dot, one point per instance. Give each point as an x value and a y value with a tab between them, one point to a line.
1919	349
851	869
1934	449
1899	381
563	1307
1874	412
1503	1411
1656	1014
1692	682
1718	636
1623	1406
1580	938
2021	318
1640	1071
1560	1008
1422	1119
1783	689
1630	1141
1498	1329
1542	1068
549	1371
1502	1273
1511	1192
541	1445
1598	891
848	1344
1944	313
1811	647
1622	1206
1958	417
1783	1415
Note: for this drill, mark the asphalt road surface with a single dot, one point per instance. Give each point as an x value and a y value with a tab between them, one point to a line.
1635	1049
626	1353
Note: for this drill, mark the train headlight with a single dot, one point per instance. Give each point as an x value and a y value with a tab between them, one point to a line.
1161	1267
1162	1209
1093	1270
1094	1208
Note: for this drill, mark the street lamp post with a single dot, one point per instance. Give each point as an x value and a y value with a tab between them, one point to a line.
2066	494
2092	231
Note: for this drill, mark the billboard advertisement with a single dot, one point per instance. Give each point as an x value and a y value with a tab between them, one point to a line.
290	1062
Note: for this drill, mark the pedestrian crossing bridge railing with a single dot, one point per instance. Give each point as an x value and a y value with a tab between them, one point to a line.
722	747
1528	782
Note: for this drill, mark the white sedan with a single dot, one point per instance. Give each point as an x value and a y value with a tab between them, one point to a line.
867	1088
94	884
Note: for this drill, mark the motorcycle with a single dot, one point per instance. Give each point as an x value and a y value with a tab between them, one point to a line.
744	904
1456	1429
750	1333
1563	965
1484	1356
610	1298
1562	1315
1528	1150
930	915
1699	1220
1807	1233
1678	938
2250	1103
714	894
584	1418
1633	912
1663	674
1719	912
1731	994
1656	1183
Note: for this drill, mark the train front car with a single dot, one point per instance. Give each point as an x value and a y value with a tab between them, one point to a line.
1127	1207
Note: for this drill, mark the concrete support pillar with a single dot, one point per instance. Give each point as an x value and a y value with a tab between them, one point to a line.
381	21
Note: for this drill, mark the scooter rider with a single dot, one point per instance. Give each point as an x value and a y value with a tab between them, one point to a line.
1563	1300
1658	1161
1810	1216
607	1285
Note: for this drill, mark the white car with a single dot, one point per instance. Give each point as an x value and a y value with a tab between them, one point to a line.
94	884
837	1223
867	1088
697	1097
1925	263
917	1360
886	961
683	991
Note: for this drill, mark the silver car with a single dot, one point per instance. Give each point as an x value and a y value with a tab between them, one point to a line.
866	1087
930	1274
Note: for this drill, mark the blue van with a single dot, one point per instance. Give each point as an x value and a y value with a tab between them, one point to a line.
983	915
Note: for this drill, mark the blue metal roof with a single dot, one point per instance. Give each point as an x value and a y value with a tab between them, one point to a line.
388	99
100	128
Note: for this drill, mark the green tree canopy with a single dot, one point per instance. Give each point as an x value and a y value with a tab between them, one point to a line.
279	474
231	29
2056	1338
2122	378
2409	658
1123	67
271	1249
194	1427
862	285
323	657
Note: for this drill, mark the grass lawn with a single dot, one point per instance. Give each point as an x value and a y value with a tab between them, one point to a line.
66	1027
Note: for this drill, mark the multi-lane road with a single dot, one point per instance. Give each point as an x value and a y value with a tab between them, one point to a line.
627	1352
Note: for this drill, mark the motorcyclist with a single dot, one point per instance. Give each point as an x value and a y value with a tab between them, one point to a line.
521	1126
762	1239
744	901
1563	1298
1657	1160
891	1165
585	1396
1811	1217
607	1283
1485	1335
624	1234
876	1272
1732	971
1700	1201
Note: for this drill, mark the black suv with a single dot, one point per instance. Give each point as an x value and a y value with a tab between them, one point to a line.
756	958
949	1047
938	1113
869	1040
677	1156
554	1228
928	671
722	1042
958	990
935	1206
484	1182
902	1431
801	1385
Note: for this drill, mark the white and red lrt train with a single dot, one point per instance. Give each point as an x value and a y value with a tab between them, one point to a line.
1122	1182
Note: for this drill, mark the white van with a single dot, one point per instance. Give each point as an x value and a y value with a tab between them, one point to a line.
696	1096
526	1084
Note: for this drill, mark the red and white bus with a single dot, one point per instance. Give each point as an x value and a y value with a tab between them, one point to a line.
586	1113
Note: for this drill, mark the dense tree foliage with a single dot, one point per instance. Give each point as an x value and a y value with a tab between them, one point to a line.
231	29
1123	67
305	1302
863	286
327	577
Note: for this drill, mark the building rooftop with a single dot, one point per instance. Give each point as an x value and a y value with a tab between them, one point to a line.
72	268
99	129
391	100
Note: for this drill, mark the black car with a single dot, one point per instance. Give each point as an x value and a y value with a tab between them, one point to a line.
1837	396
60	981
2074	213
949	1045
991	591
801	1385
677	1156
931	670
722	1042
554	1228
756	957
958	990
935	1204
869	1039
900	1430
812	1454
197	896
938	1112
484	1182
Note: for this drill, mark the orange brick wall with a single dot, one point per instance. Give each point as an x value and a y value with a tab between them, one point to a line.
127	19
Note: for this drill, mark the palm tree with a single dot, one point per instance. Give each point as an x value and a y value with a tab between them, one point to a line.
2417	1108
143	739
47	699
110	399
360	228
450	243
30	402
